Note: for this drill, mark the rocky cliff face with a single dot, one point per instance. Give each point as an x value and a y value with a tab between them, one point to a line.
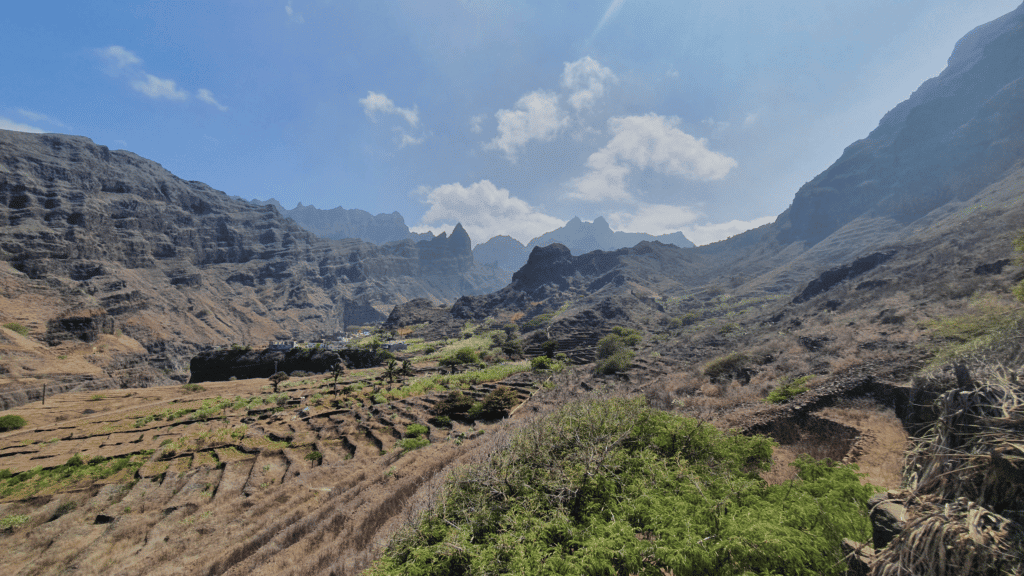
341	223
177	265
955	135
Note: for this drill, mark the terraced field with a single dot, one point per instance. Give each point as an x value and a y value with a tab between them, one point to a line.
232	479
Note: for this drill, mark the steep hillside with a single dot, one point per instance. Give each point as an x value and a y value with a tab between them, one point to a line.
113	242
957	134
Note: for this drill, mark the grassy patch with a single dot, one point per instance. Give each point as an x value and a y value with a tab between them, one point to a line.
31	482
984	327
420	386
15	327
786	391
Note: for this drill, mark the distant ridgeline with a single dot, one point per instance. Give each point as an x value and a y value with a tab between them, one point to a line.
341	223
578	236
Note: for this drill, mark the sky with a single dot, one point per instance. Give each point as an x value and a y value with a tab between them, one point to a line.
511	117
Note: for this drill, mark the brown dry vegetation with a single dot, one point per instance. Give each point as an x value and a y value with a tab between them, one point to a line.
234	494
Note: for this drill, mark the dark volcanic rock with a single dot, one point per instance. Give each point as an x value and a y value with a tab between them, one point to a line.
830	278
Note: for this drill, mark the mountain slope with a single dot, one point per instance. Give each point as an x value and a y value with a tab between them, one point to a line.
123	245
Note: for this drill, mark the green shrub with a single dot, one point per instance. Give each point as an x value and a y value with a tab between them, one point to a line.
192	387
617	362
14	326
314	456
9	523
11	422
541	363
615	487
498	402
439	421
75	460
414	430
455	404
413	443
788	390
549	348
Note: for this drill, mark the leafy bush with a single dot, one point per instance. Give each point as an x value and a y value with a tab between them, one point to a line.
542	363
75	460
441	421
617	362
415	430
788	390
549	348
192	387
11	522
413	443
455	404
314	456
11	422
15	327
614	352
498	402
615	487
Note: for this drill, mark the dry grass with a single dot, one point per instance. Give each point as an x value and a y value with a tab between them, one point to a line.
966	486
883	443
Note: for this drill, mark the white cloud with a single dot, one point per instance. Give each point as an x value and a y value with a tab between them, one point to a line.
159	88
37	117
7	124
485	211
586	78
665	219
408	140
207	96
750	120
649	141
708	233
292	14
608	15
475	123
119	56
536	117
374	103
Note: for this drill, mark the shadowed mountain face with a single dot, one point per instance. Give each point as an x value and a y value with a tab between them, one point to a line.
177	262
955	135
341	223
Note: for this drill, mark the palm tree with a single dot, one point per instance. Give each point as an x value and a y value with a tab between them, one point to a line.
336	371
391	371
406	368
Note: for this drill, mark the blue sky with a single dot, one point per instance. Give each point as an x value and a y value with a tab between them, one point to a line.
512	117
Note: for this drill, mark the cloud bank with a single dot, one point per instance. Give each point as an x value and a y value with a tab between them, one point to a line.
646	142
485	211
536	116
